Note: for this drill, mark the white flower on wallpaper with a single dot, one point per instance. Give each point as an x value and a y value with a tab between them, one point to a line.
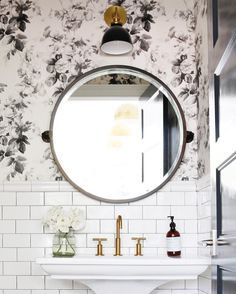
44	46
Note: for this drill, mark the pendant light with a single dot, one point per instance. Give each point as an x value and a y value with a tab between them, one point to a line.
116	40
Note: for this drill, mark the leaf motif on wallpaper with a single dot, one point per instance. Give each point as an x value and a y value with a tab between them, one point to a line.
64	68
19	45
13	136
198	58
10	161
80	43
1	155
2	33
187	92
200	8
144	45
58	91
13	19
189	18
17	162
201	168
47	157
3	19
73	18
143	41
3	140
146	8
180	37
19	167
2	88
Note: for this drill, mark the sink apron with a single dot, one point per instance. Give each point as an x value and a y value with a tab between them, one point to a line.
122	286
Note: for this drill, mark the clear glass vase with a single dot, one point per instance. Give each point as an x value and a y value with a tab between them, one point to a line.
63	244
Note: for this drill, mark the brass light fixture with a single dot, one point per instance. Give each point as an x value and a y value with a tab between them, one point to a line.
116	40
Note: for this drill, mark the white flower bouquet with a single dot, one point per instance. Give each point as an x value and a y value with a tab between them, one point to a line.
57	219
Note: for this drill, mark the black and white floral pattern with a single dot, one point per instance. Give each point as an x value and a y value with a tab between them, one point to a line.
14	129
201	44
45	45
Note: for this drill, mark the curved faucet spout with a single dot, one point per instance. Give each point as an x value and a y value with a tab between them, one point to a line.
118	240
118	226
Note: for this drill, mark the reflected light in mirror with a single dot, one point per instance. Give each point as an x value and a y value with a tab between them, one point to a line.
115	125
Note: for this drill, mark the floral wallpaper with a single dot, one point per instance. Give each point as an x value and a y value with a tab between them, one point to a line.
45	45
201	43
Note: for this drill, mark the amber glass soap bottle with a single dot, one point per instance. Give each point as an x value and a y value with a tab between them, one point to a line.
173	241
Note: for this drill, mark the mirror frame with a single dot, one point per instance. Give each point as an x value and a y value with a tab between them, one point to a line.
124	69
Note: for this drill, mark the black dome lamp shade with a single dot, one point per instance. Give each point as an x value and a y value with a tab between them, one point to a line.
116	40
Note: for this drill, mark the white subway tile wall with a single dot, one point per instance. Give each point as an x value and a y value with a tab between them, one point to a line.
23	238
204	229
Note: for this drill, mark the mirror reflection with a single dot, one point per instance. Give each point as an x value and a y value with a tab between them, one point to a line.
117	135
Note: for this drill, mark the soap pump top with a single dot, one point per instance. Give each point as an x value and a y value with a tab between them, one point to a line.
172	223
172	232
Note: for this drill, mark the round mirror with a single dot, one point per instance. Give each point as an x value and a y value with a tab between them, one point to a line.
117	133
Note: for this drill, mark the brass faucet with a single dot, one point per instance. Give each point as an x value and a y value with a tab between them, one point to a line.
118	240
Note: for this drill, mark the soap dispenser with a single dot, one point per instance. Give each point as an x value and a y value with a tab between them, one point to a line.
173	241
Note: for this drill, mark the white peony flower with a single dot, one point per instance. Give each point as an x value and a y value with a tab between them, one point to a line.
63	223
77	219
58	220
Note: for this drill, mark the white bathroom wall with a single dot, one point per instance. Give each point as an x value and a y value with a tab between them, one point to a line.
23	238
204	229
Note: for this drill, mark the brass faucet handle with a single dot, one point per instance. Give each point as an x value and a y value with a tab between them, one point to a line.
138	251
100	239
99	246
139	238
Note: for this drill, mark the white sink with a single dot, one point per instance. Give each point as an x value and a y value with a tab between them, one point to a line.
124	274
